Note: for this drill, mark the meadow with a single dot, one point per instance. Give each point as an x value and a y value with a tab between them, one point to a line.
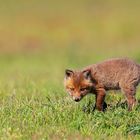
38	41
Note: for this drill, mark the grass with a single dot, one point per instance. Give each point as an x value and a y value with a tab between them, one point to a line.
37	112
34	104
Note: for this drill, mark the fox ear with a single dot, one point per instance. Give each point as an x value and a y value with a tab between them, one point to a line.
68	73
87	74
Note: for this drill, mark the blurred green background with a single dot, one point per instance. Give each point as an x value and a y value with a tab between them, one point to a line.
43	37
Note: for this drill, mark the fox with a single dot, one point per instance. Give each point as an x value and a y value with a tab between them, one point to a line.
112	74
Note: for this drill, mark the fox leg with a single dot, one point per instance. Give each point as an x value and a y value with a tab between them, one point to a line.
130	96
100	97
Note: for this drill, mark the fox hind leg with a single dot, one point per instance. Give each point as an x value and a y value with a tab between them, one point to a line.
130	96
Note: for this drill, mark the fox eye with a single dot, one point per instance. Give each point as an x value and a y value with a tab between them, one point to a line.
83	89
72	89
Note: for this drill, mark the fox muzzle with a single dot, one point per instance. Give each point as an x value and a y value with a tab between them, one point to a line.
77	99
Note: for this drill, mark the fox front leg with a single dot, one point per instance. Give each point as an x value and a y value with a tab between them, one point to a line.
100	97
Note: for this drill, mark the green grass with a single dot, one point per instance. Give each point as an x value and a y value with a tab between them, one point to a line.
33	111
34	104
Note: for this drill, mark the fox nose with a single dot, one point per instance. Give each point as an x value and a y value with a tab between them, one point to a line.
77	99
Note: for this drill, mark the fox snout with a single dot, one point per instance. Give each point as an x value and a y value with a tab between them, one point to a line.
76	96
77	99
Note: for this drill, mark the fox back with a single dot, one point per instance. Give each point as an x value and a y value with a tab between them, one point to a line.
116	73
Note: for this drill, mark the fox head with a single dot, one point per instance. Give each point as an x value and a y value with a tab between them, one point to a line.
78	83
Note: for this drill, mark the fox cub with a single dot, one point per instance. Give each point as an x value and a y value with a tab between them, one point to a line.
114	74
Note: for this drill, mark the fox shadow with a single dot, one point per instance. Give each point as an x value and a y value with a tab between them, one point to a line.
90	107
